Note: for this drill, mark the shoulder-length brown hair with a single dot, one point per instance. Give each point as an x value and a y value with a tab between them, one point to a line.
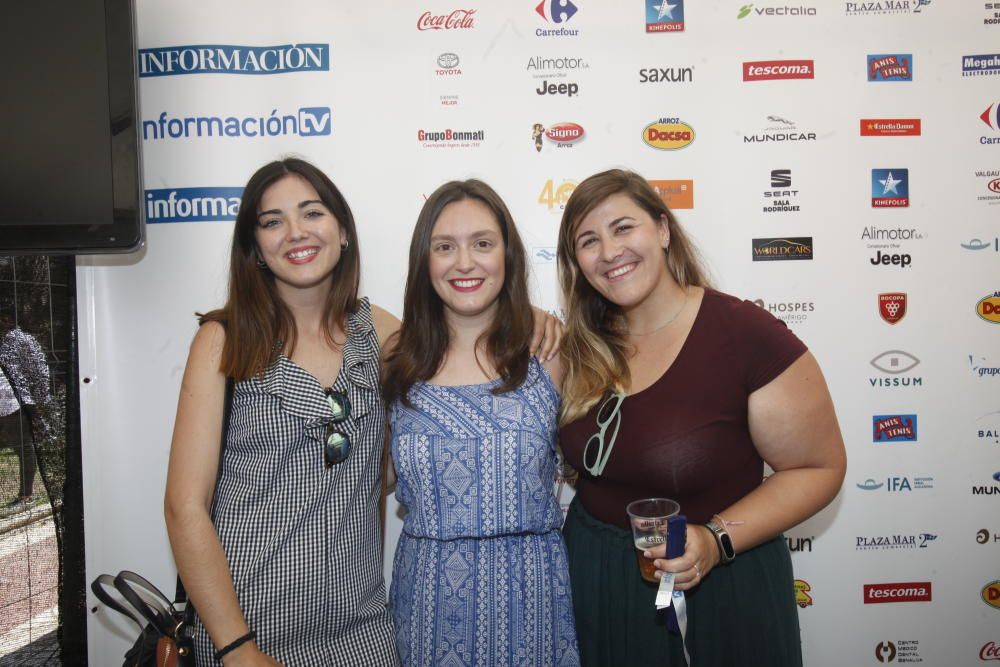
257	322
594	349
423	338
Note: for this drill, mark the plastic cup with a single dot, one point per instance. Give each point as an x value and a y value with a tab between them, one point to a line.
649	518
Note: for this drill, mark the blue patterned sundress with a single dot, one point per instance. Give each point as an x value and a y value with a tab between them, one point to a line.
480	573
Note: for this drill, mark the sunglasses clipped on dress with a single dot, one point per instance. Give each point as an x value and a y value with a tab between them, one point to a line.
597	451
338	444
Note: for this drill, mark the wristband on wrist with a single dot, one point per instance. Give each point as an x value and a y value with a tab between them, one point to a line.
235	644
727	552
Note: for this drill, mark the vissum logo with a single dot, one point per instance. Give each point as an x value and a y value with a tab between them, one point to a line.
233	59
307	122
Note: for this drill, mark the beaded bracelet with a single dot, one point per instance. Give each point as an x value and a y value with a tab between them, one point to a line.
235	644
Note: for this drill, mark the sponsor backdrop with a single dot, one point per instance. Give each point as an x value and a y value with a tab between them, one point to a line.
838	163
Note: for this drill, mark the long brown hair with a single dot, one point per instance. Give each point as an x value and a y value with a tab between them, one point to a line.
594	349
422	340
256	320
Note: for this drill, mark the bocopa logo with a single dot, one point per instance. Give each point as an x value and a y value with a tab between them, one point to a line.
192	204
233	59
306	122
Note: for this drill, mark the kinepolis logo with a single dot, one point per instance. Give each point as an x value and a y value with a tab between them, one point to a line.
897	484
913	591
781	200
192	204
895	363
563	135
893	541
666	75
555	68
890	67
988	427
664	17
894	428
556	11
901	650
991	184
457	19
781	249
675	193
775	10
451	138
233	59
789	312
984	65
885	7
890	188
768	70
778	129
306	122
890	127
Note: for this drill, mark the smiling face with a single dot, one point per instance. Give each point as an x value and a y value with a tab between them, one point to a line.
466	262
297	236
619	249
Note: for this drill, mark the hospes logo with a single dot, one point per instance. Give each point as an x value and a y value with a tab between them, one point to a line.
233	59
890	67
664	15
890	188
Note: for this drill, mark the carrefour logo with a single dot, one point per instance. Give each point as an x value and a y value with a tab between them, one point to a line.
233	59
306	122
192	204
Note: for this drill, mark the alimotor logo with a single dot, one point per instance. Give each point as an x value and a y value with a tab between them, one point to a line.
988	308
668	134
915	591
457	19
890	67
768	70
305	122
233	59
665	16
200	204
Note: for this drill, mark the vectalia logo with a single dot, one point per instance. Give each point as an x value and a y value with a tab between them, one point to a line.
916	591
192	204
767	70
233	59
307	122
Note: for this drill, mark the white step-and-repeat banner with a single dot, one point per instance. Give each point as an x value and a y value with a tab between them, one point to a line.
836	162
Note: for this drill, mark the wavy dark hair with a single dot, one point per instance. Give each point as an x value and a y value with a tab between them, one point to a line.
257	322
422	341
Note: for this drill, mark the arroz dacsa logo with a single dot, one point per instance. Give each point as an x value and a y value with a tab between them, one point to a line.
988	308
668	134
991	594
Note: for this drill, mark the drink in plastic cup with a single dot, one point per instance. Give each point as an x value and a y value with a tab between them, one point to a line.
649	529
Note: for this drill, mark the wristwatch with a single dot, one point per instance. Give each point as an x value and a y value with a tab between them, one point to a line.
726	550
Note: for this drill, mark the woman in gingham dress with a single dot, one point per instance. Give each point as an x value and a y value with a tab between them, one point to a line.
291	571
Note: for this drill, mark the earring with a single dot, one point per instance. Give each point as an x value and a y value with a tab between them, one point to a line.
261	264
343	246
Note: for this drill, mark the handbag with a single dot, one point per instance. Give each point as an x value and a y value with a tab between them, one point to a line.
164	639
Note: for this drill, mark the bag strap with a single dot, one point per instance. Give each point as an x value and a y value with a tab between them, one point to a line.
98	587
155	607
180	594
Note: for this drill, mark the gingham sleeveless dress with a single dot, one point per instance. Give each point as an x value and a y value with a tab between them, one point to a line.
302	540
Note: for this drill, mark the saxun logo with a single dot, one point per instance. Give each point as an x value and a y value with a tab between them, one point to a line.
306	122
233	59
192	204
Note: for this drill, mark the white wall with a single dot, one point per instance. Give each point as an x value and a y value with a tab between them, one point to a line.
136	313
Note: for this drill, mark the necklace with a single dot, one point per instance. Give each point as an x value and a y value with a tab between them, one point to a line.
665	324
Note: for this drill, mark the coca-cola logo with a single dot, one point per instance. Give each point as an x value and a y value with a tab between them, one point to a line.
990	651
459	19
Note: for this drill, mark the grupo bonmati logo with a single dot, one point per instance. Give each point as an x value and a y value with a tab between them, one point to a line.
192	204
233	59
305	122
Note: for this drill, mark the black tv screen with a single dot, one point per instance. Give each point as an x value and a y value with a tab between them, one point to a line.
70	168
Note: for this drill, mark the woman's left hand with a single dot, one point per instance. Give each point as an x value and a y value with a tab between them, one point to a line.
546	335
701	554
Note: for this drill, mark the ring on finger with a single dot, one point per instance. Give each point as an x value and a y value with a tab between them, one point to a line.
697	571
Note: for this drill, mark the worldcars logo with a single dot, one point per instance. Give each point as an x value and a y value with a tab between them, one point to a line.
457	19
233	59
782	249
668	134
192	204
767	70
917	591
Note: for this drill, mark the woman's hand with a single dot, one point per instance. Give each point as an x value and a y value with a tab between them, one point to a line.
701	554
546	335
249	655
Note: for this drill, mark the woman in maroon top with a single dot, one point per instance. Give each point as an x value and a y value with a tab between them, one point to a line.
695	390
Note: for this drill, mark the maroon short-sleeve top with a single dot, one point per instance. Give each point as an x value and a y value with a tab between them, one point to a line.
686	436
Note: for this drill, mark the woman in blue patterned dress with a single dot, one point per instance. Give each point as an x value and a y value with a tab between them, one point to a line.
480	573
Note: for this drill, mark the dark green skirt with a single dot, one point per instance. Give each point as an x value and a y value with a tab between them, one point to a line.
741	614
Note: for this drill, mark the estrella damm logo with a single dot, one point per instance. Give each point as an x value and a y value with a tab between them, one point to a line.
668	134
988	308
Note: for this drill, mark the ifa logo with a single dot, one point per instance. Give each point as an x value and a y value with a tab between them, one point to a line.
914	591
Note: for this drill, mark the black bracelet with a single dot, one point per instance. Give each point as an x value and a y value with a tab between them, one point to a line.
235	644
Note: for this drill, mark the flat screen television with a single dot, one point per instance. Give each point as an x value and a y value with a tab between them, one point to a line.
70	161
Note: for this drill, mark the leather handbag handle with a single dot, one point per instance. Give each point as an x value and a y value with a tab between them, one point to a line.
98	586
155	607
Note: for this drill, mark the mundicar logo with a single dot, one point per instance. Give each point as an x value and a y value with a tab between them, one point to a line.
988	308
306	122
192	204
668	134
233	59
664	16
